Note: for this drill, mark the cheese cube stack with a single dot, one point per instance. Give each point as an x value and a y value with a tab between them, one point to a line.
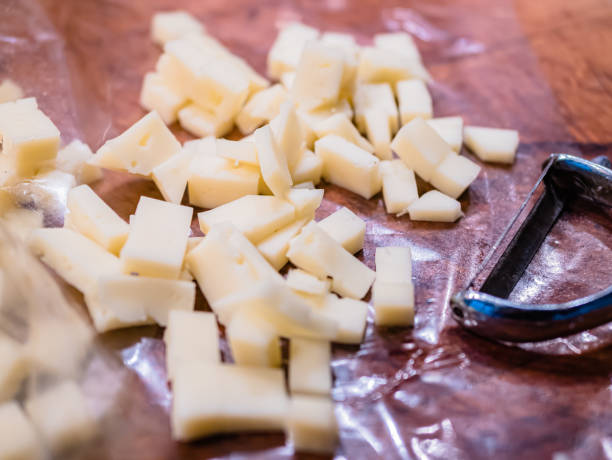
492	144
23	442
393	291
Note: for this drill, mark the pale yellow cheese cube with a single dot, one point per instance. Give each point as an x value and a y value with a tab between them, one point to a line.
435	206
314	251
256	216
241	151
253	342
349	166
215	181
14	366
301	281
350	314
274	248
157	95
399	185
139	149
305	201
62	416
202	122
170	25
398	42
420	147
191	337
171	176
346	228
492	144
379	65
308	168
393	303
157	239
375	97
378	132
454	175
414	100
272	162
10	91
19	438
201	147
92	217
450	129
311	424
342	126
28	136
223	398
75	159
284	55
287	80
309	366
261	108
347	46
393	264
310	118
288	136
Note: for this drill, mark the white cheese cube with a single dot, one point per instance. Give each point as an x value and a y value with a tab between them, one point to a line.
287	80
215	181
256	216
347	46
226	262
143	146
340	125
157	239
62	417
28	136
252	341
201	147
159	96
272	162
375	97
284	55
348	166
74	159
393	264
301	281
202	122
435	206
450	129
454	175
14	366
378	65
346	228
171	176
191	337
414	100
240	151
308	168
223	398
309	366
378	132
393	303
318	77
399	185
492	144
19	438
420	147
261	108
274	248
350	314
92	217
310	118
311	425
398	42
170	25
76	258
10	91
305	201
316	252
288	136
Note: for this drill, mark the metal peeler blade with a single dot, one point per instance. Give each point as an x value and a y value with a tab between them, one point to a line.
488	312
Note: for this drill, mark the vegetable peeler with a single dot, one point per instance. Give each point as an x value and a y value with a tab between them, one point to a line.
488	312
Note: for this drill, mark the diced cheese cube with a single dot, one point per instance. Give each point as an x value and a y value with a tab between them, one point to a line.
205	147
19	439
261	108
450	129
420	147
414	100
378	132
316	252
346	228
215	181
75	159
76	258
252	341
10	91
274	248
393	264
377	65
241	151
345	44
435	206
157	239
171	176
191	337
159	96
256	216
284	55
375	97
301	281
288	135
226	262
220	398
399	185
454	175
28	136
272	162
92	217
350	314
340	125
309	366
492	144
308	168
349	166
143	146
13	366
170	25
312	425
202	122
398	42
393	303
62	417
318	77
287	80
305	201
310	118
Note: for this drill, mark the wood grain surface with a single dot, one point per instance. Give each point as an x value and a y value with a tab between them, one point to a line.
433	391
